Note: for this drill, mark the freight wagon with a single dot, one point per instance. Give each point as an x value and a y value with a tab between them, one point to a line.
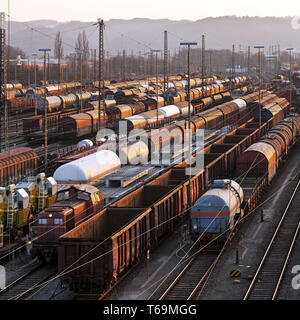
17	164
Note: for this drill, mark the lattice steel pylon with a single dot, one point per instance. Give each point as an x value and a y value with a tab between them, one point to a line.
166	66
3	80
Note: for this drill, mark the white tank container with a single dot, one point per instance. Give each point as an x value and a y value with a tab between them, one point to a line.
89	168
170	111
241	104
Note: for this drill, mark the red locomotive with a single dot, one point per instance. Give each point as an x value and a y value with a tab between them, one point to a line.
74	204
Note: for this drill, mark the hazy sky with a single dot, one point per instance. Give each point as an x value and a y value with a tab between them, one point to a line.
90	10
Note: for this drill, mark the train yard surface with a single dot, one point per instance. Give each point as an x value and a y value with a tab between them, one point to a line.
102	230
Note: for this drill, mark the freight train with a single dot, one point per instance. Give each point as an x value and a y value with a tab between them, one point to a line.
94	254
215	213
95	165
231	113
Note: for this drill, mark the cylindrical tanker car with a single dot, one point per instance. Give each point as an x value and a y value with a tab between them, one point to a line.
217	209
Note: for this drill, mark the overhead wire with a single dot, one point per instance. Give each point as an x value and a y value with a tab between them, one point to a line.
64	272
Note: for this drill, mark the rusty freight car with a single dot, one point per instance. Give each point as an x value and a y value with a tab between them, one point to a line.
16	164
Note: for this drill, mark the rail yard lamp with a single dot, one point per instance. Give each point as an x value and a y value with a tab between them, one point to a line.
290	73
290	78
189	44
259	76
45	109
156	72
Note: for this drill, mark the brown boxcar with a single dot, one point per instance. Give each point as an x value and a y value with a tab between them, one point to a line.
17	164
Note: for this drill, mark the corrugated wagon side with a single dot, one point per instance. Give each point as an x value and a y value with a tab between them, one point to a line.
101	248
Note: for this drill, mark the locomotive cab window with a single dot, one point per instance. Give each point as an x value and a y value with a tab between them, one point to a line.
42	221
63	195
83	196
58	221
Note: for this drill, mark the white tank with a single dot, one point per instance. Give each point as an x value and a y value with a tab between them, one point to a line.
89	168
86	143
241	104
224	196
170	111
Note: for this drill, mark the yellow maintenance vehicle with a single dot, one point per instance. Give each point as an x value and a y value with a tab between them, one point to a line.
41	190
14	207
19	203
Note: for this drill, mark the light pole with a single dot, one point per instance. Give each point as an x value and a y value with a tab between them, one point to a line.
189	44
45	110
35	80
290	73
290	76
146	68
259	90
156	72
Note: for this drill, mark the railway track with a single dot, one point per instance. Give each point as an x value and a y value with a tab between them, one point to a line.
190	279
24	286
266	282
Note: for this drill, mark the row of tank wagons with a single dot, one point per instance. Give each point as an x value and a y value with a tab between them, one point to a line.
141	104
233	113
210	119
56	103
219	208
94	163
229	114
177	89
20	203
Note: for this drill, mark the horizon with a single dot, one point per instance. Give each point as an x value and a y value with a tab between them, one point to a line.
156	19
57	10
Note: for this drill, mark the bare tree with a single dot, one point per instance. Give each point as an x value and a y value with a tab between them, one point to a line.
58	49
85	46
79	44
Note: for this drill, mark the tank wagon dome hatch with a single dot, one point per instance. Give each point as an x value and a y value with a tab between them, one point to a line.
88	168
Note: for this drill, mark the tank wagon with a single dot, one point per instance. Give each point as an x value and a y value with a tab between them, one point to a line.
217	209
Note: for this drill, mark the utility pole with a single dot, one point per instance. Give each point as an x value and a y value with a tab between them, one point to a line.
3	81
290	73
259	76
59	57
232	67
35	81
189	44
124	65
203	66
81	101
45	109
279	59
8	43
166	67
101	72
28	72
156	72
248	61
49	75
